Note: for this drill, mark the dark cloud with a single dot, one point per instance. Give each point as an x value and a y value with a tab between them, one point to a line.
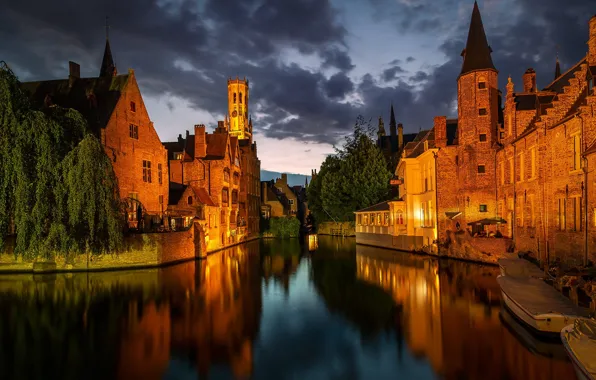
189	49
334	57
338	86
391	73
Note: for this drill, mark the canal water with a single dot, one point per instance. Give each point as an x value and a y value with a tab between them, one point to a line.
272	310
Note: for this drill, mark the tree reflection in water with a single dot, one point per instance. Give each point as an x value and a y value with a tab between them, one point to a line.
347	311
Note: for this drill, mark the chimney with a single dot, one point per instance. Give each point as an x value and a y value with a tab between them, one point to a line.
74	72
180	139
284	178
400	135
529	80
200	141
264	191
592	42
440	125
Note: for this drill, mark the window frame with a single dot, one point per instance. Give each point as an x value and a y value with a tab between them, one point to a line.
481	110
481	136
483	171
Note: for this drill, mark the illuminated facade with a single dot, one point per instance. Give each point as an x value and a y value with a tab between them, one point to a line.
215	177
520	170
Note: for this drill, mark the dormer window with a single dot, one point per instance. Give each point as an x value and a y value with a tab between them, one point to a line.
133	107
178	156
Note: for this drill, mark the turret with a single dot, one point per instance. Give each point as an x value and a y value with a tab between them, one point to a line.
529	80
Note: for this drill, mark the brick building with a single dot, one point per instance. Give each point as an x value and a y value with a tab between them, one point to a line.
521	169
219	174
114	109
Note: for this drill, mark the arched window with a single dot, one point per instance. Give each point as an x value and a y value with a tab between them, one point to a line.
399	217
240	98
189	200
234	98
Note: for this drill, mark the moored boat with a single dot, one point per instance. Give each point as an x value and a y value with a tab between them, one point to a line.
517	267
538	305
579	340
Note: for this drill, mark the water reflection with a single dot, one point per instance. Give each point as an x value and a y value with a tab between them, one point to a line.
271	310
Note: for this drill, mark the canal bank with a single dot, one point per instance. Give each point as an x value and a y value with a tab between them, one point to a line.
142	251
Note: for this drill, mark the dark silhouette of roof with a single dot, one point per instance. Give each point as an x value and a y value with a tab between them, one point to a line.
107	64
563	80
176	191
94	98
477	52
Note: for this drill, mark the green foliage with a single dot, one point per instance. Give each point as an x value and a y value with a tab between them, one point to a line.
284	227
56	183
354	178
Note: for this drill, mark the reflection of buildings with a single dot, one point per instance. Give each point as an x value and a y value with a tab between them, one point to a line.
280	268
220	321
451	316
212	317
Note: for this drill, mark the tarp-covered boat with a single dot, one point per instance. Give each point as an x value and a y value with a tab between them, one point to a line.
579	340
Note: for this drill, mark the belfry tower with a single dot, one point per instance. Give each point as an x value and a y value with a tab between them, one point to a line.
238	109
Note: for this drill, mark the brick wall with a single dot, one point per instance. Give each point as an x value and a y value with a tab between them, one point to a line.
128	153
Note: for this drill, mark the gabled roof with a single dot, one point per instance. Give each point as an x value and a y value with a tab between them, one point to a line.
203	196
94	98
383	206
477	52
217	144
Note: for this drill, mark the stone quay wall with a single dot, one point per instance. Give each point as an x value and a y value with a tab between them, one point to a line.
327	228
141	251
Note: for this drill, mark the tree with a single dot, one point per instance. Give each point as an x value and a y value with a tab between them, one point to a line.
48	161
313	192
358	177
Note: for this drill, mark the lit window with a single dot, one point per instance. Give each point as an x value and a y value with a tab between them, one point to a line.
482	111
483	137
147	171
502	135
483	208
481	169
400	217
234	98
133	107
482	85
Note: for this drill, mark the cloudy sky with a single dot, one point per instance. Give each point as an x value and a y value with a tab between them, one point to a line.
313	65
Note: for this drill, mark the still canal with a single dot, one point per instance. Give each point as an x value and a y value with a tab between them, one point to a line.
271	310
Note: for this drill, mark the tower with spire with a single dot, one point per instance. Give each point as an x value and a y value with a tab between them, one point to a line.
108	68
557	68
478	118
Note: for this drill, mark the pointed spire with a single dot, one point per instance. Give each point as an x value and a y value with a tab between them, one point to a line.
557	68
477	52
392	123
305	182
381	131
108	68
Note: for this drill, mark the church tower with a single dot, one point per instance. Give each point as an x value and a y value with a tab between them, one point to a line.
478	118
238	109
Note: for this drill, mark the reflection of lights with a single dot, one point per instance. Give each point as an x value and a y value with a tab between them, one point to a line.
313	242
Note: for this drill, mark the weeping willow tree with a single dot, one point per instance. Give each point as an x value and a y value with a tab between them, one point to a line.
40	154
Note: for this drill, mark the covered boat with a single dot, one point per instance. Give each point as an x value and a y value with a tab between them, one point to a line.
538	305
579	340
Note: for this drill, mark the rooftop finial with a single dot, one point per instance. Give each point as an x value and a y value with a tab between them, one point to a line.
558	65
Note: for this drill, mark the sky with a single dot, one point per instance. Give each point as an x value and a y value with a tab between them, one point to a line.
313	65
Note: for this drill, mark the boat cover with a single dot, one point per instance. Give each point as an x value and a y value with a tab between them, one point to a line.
582	341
